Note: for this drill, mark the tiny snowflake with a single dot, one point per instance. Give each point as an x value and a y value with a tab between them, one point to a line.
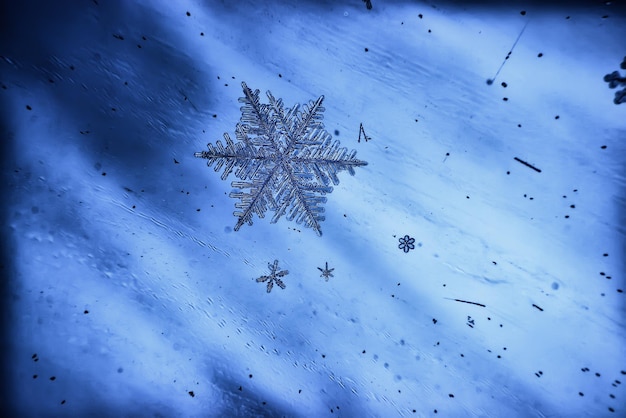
406	243
615	79
326	272
274	276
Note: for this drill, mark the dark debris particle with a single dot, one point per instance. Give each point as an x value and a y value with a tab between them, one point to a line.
191	393
34	376
201	33
611	409
86	312
240	389
506	99
28	107
53	378
117	36
603	147
63	402
188	14
539	55
421	16
523	12
557	117
598	374
581	394
503	84
450	395
366	49
250	376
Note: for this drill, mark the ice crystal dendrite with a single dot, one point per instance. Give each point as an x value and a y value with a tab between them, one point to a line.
284	159
274	276
326	272
406	243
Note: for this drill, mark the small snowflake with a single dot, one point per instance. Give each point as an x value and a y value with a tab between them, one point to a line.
406	243
326	272
274	277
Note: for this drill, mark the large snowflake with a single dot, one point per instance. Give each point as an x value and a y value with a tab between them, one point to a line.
285	161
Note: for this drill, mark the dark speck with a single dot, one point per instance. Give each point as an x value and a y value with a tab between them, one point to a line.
366	49
28	107
523	12
191	393
188	14
540	54
53	378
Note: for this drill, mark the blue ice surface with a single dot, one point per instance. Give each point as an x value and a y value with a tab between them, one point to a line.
128	293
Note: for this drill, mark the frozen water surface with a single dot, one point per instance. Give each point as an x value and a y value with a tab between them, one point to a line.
127	292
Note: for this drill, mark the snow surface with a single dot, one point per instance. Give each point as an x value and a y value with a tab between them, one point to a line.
127	293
